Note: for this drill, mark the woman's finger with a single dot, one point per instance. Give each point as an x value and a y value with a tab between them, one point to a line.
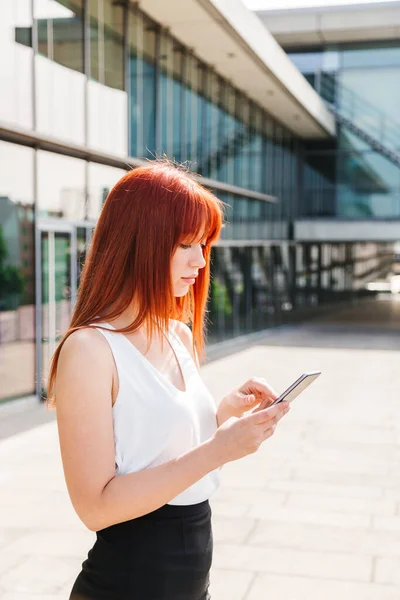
261	389
268	431
275	413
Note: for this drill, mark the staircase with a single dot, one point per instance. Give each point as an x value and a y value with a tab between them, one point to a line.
363	119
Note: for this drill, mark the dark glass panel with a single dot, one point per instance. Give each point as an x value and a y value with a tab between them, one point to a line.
106	43
142	80
17	272
106	88
60	32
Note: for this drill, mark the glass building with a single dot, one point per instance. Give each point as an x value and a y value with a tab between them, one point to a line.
351	56
91	88
364	180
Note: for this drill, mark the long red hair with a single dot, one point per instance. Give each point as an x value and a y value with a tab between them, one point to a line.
147	214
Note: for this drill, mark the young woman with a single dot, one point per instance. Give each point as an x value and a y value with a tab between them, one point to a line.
142	441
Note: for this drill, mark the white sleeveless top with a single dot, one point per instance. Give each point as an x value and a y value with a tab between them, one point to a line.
154	422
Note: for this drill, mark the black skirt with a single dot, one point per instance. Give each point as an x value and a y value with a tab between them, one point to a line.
164	555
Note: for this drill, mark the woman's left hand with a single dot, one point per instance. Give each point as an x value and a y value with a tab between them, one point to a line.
254	392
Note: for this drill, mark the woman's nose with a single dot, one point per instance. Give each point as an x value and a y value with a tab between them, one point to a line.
198	261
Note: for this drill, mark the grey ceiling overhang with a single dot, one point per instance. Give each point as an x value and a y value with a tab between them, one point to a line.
333	24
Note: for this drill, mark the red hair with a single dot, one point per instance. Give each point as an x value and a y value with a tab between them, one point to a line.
147	214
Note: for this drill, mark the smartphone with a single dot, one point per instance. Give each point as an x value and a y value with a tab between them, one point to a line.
297	387
294	390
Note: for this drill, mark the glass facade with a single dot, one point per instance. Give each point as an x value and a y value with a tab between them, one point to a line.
106	94
101	179
60	186
363	81
17	271
142	85
59	69
16	106
260	286
100	82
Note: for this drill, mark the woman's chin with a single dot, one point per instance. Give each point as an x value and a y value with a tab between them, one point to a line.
180	293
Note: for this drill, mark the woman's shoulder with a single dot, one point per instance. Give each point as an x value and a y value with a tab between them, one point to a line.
183	331
87	343
85	363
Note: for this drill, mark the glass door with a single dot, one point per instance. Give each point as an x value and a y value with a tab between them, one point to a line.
56	289
56	292
61	253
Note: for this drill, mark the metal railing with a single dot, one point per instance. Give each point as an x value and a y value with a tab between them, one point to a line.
367	121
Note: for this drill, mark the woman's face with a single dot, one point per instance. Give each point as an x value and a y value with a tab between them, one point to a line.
185	266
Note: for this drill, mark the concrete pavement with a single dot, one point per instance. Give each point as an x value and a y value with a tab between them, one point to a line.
313	515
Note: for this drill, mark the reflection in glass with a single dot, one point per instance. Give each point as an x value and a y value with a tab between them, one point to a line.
177	101
269	155
106	95
230	133
202	120
210	134
289	177
192	125
60	32
60	186
165	113
101	179
60	83
241	177
56	305
372	54
17	272
369	184
16	64
170	98
255	149
142	81
221	294
217	148
252	288
319	176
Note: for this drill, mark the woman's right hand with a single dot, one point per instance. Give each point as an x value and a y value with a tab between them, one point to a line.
238	437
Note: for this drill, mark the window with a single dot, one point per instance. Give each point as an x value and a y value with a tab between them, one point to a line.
60	83
61	186
106	43
60	32
106	90
142	82
17	300
16	66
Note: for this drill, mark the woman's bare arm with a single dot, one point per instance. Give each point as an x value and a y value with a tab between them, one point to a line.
84	418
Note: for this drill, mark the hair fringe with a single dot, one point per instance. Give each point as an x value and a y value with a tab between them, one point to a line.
147	213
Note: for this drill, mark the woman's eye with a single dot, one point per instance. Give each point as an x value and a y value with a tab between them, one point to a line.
185	246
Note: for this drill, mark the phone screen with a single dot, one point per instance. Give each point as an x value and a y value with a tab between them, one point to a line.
297	387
